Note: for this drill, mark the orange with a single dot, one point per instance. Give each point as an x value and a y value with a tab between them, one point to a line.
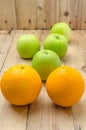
65	86
21	84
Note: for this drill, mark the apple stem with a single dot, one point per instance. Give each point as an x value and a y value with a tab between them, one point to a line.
46	52
57	37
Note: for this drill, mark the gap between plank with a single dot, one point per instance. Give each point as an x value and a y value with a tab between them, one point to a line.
8	49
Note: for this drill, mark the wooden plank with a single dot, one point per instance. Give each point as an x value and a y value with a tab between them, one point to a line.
79	114
53	12
12	117
7	14
83	33
83	18
44	33
75	59
76	14
47	14
57	10
3	32
5	43
70	12
26	14
1	35
41	14
62	10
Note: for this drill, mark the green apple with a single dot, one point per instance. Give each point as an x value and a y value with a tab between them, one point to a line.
28	45
44	62
62	28
57	43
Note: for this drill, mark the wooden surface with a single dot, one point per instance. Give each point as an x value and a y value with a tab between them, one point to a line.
42	14
42	114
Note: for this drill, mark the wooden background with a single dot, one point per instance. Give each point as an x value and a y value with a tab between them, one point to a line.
41	14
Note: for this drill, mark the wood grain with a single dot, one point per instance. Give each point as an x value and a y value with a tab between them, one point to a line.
70	12
18	121
73	47
41	14
84	52
83	16
5	43
43	114
26	14
53	12
7	14
76	48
